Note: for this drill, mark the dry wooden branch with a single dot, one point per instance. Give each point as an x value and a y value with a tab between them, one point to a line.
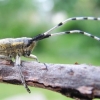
75	81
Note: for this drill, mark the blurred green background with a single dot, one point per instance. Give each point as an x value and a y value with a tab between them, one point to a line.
28	18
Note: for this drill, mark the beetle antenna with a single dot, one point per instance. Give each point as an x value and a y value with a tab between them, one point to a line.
47	33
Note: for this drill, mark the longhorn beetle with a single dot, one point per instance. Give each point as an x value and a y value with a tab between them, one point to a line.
17	47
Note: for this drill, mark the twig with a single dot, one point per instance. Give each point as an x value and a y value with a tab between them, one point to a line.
75	81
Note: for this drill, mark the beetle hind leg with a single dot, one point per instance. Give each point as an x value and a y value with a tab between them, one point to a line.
5	57
8	59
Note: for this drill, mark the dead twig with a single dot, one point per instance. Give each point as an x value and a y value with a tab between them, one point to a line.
75	81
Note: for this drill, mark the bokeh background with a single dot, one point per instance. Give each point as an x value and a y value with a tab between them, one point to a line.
27	18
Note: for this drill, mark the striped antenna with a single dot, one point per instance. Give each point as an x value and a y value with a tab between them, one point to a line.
77	31
71	19
47	33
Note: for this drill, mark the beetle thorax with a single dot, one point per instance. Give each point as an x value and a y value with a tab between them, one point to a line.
11	47
28	49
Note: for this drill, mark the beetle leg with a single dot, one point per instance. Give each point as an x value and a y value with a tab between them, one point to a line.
18	64
5	57
34	57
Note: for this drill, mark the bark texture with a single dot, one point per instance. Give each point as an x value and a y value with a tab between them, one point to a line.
79	81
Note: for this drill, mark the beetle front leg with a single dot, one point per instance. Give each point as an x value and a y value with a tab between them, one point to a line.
18	64
34	57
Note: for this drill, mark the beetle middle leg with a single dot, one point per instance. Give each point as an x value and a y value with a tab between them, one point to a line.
18	65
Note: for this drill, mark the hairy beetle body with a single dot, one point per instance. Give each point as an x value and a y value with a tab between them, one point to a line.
11	47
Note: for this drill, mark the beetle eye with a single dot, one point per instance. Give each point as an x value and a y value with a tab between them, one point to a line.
28	53
10	56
